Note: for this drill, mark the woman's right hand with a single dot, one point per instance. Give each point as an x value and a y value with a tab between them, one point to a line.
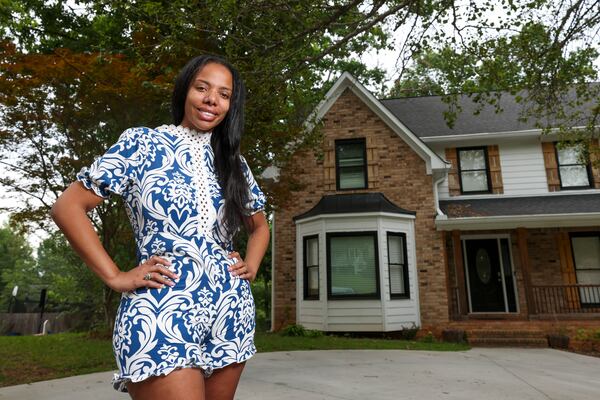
126	281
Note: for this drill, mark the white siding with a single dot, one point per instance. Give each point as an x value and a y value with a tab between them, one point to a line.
523	170
521	162
400	313
362	314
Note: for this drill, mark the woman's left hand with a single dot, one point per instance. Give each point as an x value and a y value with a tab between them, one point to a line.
240	268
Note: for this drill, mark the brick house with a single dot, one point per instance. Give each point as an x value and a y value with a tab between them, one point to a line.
403	221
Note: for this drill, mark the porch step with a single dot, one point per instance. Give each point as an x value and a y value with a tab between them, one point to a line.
508	342
507	338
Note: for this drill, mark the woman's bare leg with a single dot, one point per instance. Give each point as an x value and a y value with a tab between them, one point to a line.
181	384
221	385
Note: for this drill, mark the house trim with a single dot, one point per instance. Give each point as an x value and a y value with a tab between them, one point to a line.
347	81
519	221
356	214
549	137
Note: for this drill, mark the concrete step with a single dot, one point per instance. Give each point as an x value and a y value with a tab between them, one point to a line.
507	342
506	333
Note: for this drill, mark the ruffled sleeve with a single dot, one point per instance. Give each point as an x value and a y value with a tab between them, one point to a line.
257	200
116	169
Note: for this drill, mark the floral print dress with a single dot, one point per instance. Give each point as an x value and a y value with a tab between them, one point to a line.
167	179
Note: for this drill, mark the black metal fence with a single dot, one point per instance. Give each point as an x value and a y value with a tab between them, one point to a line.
565	299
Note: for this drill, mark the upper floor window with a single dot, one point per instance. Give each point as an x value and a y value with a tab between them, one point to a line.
573	168
351	164
473	170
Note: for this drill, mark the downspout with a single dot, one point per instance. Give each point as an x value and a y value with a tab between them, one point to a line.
272	329
436	196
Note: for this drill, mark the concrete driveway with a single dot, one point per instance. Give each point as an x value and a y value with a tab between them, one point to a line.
516	374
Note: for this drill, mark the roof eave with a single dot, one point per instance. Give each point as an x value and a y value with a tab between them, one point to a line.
519	221
347	81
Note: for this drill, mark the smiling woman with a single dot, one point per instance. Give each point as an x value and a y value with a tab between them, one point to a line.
185	324
207	100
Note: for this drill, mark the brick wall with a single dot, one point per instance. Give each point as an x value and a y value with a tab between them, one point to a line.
393	169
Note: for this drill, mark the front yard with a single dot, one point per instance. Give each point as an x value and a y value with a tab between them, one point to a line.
27	359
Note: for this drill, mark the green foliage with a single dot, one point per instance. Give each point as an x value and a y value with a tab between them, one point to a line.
588	334
17	268
297	330
535	61
428	338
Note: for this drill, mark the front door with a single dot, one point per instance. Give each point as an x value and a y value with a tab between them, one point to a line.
485	278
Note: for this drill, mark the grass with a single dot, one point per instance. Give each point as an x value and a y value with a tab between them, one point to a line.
27	359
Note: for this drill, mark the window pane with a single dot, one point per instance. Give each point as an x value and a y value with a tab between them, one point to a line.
353	268
574	175
313	281
587	252
396	249
474	181
569	155
396	279
351	165
350	151
312	252
352	177
472	159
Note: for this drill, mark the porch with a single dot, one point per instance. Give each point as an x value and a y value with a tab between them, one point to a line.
524	274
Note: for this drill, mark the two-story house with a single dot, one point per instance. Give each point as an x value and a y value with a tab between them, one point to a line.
404	221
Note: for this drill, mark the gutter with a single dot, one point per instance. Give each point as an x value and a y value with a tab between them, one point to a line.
520	221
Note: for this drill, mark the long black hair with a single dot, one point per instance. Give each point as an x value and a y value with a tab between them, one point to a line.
225	139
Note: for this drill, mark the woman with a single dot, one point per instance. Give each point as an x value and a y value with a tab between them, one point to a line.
185	323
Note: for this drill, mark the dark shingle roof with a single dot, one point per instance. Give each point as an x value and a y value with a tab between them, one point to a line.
424	116
538	205
353	203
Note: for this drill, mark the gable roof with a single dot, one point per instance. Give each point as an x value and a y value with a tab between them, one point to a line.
424	116
347	82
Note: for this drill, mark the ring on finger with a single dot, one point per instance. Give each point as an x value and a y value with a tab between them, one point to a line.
148	276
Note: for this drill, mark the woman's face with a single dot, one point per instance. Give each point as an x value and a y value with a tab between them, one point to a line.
208	98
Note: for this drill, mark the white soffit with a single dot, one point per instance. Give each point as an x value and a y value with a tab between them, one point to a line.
347	81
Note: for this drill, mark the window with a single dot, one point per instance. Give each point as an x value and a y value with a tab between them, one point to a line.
586	254
352	265
311	267
473	170
351	164
573	170
397	265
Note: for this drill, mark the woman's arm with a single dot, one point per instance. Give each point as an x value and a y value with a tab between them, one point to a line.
69	212
258	241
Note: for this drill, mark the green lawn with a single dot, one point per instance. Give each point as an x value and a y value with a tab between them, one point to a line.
28	359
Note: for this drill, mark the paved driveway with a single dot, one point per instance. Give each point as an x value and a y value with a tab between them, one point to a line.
481	373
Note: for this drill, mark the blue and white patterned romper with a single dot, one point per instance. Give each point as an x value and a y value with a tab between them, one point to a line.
168	182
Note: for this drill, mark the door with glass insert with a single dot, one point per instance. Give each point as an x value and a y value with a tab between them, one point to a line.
489	275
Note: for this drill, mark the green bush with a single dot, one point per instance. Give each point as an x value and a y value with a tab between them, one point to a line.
298	330
428	338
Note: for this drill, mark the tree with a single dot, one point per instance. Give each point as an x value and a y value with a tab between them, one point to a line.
17	266
75	74
548	64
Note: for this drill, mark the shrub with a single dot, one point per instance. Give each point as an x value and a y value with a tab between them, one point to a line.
300	331
428	338
409	333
